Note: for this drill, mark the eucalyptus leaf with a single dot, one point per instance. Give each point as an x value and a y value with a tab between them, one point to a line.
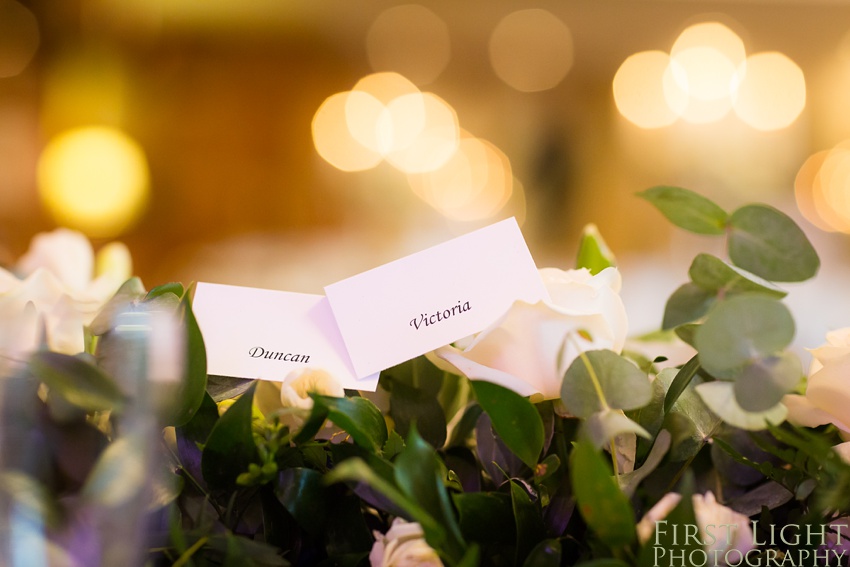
691	422
687	210
720	398
514	418
688	303
765	381
593	252
713	274
230	446
769	243
77	381
742	329
629	481
603	426
359	417
601	503
602	379
173	288
681	380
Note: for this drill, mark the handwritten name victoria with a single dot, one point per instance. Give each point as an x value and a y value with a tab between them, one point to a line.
260	352
426	319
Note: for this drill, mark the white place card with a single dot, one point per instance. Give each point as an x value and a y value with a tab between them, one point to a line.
414	305
260	333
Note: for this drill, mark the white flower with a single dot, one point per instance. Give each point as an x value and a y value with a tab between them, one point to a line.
403	546
58	286
827	398
721	529
293	394
530	348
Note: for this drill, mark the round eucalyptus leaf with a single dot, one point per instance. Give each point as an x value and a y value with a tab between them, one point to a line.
603	426
687	209
720	398
768	243
602	379
742	329
765	381
713	274
688	303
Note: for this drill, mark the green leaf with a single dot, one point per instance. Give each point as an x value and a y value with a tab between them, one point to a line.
393	446
120	474
593	252
720	398
601	503
687	209
514	418
602	379
688	303
130	292
768	243
742	329
194	384
547	553
713	274
486	517
304	495
230	446
410	405
765	381
629	481
80	383
529	523
358	417
419	477
680	382
175	288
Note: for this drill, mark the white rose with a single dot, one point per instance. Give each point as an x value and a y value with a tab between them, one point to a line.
403	546
530	348
827	398
293	394
57	283
729	530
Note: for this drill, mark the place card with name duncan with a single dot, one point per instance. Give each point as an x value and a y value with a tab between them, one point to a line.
432	298
261	333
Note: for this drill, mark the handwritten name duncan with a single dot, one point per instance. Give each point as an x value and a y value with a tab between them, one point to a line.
260	352
425	319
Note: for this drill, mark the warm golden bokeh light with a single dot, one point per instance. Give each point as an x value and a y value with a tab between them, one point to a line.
773	92
94	179
385	86
19	37
333	140
475	184
822	189
531	50
409	39
436	141
639	91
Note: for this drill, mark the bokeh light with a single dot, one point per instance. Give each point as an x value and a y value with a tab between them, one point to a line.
334	141
822	189
435	142
94	179
773	92
411	40
19	37
531	50
639	91
474	184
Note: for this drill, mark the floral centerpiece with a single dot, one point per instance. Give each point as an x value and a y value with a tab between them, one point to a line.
551	438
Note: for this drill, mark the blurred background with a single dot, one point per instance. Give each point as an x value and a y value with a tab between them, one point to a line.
287	144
